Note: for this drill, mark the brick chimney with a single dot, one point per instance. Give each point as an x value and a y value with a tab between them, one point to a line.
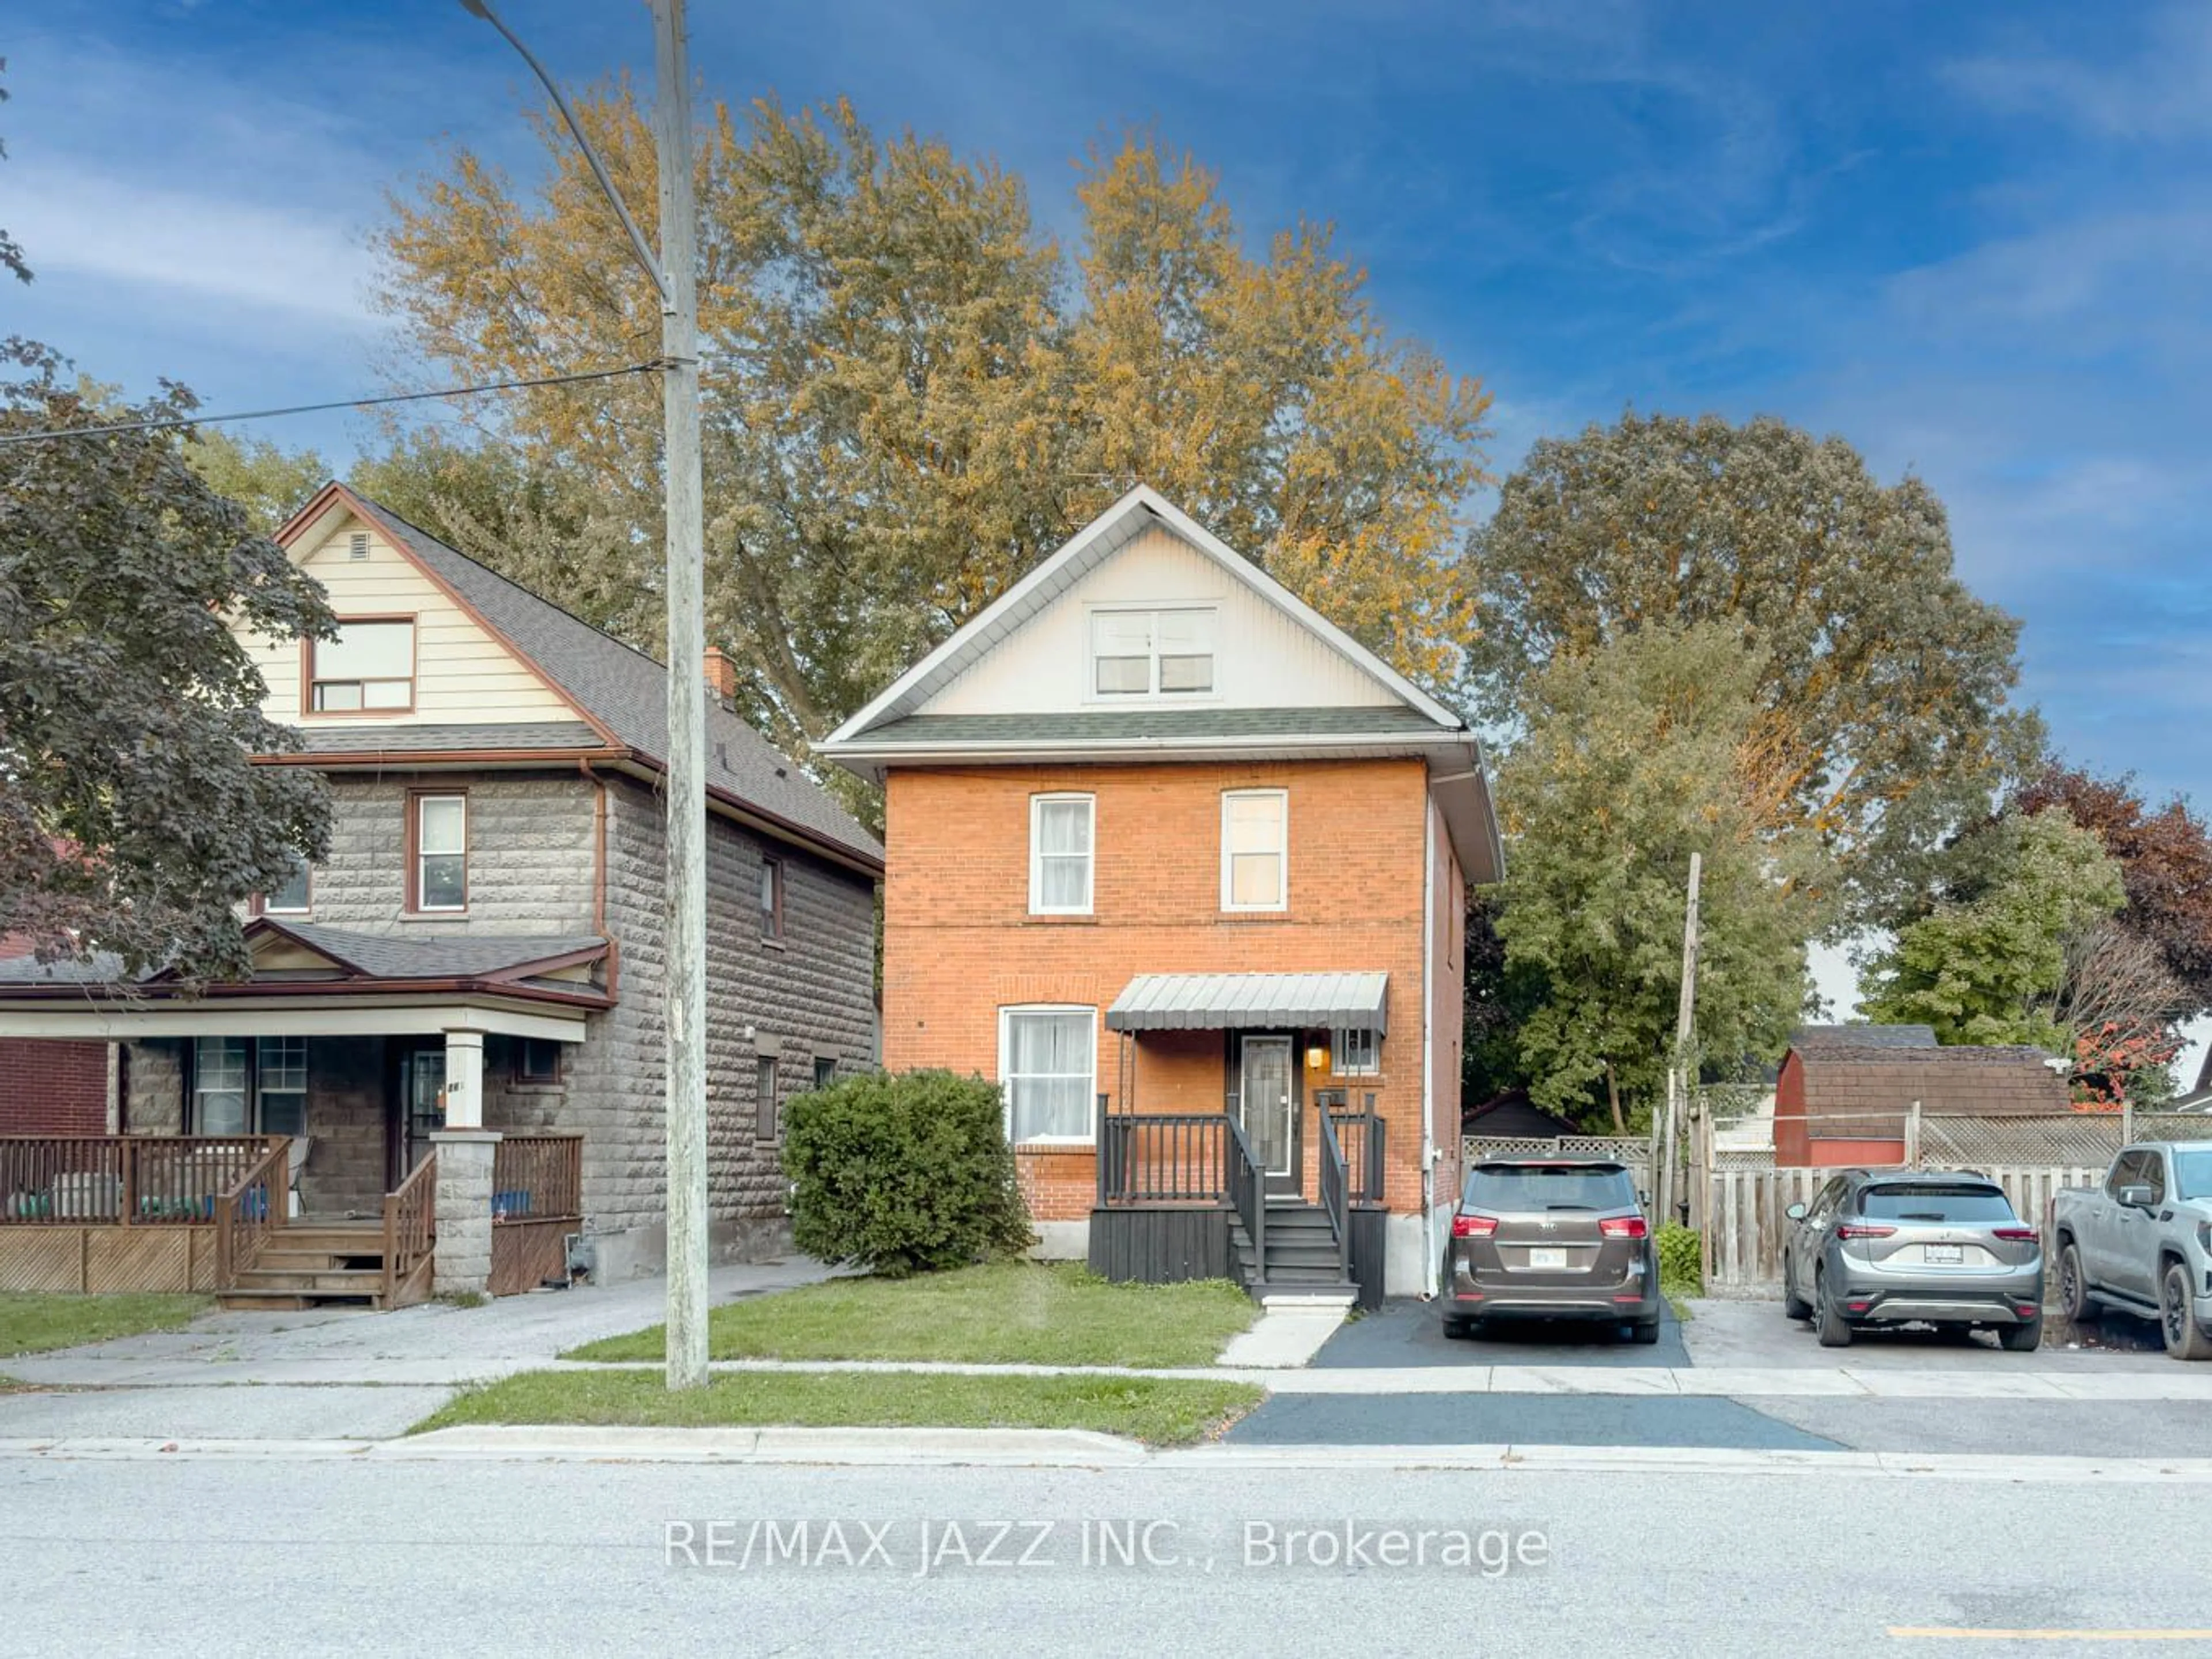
721	675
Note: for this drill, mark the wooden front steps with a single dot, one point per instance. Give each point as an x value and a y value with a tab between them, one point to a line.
322	1264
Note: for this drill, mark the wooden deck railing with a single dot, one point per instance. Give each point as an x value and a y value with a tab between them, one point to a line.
537	1177
1162	1157
128	1181
246	1215
411	1225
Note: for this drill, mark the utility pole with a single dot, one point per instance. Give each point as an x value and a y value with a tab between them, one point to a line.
686	941
1674	1191
674	275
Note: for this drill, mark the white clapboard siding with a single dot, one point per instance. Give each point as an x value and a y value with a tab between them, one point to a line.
463	675
1263	658
1747	1215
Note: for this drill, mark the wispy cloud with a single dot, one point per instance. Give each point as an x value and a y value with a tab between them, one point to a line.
2159	91
179	247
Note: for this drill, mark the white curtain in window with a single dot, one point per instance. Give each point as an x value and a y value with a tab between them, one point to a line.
1047	1070
1252	825
1063	834
219	1087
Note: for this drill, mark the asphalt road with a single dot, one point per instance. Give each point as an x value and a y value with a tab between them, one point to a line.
183	1556
1409	1333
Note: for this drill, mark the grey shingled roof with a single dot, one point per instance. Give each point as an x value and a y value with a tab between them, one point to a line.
29	970
1862	1037
554	735
626	692
1106	725
1215	1002
450	956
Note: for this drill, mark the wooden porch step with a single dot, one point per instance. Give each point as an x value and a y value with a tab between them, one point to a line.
322	1281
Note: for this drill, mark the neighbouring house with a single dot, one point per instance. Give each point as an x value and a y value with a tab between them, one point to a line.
1513	1116
1182	866
53	1088
1844	1092
473	972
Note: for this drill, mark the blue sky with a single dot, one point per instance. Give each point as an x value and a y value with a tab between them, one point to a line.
1974	239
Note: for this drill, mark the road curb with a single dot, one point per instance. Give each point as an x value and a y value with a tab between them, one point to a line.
1077	1449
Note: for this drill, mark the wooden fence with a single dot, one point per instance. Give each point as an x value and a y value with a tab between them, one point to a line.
537	1201
1746	1215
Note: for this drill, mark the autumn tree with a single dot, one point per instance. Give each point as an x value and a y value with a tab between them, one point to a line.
1635	755
1989	966
2166	864
1885	680
910	395
132	820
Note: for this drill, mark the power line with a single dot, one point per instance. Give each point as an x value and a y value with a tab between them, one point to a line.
168	422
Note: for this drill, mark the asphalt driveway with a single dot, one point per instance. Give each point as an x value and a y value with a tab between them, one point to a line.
1409	1333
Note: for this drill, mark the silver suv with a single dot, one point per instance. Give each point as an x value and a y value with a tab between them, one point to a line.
1899	1247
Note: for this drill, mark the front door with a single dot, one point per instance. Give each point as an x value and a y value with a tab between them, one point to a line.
1267	1090
422	1104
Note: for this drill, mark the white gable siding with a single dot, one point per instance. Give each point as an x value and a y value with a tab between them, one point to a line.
1264	658
463	675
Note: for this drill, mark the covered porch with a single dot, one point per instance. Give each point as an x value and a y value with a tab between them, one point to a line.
1243	1139
363	1120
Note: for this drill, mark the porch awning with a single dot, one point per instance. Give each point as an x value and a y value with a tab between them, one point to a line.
1220	1002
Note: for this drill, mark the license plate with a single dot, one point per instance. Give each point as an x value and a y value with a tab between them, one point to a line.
1541	1257
1942	1255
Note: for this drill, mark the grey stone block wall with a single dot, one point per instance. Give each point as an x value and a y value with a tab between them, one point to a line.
464	1200
530	855
813	995
155	1101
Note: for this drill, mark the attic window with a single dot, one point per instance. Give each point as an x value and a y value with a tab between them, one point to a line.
369	669
1151	653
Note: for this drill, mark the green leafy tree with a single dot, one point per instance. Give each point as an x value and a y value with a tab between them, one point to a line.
132	819
1637	753
11	250
1885	680
269	482
1991	966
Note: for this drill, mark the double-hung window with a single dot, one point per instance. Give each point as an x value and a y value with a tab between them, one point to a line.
248	1086
1255	847
1151	653
1061	846
294	896
440	875
1048	1063
368	669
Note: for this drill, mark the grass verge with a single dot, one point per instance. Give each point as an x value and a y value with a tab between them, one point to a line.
1161	1410
37	1322
1007	1313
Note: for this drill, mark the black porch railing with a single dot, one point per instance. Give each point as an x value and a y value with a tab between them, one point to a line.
1162	1158
1361	1136
1334	1181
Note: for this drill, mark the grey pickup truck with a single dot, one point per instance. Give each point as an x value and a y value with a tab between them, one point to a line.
2141	1242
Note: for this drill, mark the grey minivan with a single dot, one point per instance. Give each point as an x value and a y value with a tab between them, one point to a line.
1895	1247
1551	1238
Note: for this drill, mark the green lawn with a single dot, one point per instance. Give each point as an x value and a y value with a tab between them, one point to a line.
33	1322
1163	1410
1009	1312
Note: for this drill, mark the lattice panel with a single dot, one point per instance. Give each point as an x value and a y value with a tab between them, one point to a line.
137	1259
2081	1138
42	1259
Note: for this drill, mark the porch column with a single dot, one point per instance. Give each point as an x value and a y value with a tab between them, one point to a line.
463	1204
465	1080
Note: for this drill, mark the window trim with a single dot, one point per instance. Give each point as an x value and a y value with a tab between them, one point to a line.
824	1080
265	905
1090	1135
519	1071
251	1048
307	709
1209	608
1037	804
771	917
1337	1064
767	1107
414	855
1282	851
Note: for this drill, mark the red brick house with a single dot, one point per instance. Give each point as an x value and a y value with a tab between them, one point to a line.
52	1088
1843	1091
1182	866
